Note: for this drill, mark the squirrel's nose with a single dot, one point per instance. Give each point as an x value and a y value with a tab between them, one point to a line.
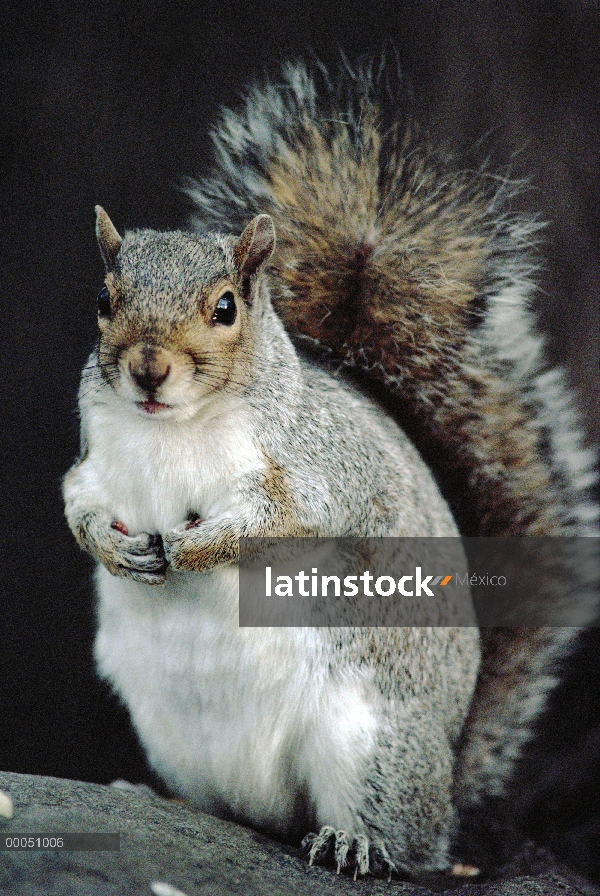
149	376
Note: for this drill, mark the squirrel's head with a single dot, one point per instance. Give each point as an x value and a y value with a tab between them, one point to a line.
177	313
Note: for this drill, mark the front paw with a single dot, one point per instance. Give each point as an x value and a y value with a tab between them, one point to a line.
139	557
200	545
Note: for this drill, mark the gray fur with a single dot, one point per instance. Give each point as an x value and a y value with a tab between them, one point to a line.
323	461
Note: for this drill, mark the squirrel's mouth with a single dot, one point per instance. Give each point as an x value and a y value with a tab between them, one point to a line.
152	407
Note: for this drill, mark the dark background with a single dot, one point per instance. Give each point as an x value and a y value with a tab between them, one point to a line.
111	102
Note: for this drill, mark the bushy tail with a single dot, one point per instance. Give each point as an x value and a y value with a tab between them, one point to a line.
418	276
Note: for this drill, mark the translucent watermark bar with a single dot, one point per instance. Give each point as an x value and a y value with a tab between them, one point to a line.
66	842
491	582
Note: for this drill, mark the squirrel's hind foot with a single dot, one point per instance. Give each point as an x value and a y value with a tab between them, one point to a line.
330	844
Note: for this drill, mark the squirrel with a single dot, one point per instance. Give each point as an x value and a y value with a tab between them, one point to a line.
201	425
198	427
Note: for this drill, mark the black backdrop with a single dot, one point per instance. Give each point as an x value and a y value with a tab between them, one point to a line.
111	102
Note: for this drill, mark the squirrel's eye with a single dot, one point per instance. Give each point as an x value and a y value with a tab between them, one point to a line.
225	311
103	303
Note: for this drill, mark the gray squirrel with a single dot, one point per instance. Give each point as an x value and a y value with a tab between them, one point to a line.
202	423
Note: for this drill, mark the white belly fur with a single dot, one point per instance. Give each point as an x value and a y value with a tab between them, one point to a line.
239	721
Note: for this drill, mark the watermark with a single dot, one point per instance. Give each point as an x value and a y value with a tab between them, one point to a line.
383	585
65	842
419	581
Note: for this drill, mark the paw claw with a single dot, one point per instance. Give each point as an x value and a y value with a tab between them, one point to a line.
362	853
342	847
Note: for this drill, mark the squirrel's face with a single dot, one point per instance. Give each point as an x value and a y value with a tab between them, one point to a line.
176	315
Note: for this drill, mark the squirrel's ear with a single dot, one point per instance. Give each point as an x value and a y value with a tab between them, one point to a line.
108	238
255	246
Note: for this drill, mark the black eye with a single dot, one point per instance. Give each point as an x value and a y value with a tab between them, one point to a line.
103	303
225	311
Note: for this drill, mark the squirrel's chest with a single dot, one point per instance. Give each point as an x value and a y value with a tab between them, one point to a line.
155	475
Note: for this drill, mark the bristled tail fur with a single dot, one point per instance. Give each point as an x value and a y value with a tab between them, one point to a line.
419	276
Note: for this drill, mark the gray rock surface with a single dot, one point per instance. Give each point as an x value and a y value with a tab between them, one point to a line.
168	842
